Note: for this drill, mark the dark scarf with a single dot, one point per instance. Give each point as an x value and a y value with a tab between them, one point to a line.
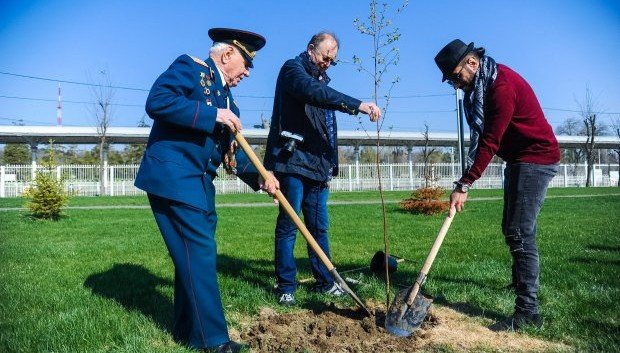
474	104
329	116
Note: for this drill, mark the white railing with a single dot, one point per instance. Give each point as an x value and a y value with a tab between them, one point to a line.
84	180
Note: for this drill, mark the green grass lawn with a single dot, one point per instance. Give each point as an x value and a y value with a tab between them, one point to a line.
101	280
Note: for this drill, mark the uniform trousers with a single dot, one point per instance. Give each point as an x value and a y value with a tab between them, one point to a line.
189	234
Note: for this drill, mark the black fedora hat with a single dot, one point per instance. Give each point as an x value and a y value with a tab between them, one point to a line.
247	42
451	55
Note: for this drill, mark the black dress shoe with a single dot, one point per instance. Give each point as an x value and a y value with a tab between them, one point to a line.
228	347
518	321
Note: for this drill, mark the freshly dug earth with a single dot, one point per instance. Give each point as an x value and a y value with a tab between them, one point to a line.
335	329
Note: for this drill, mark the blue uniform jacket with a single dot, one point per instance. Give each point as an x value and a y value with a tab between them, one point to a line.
186	145
296	87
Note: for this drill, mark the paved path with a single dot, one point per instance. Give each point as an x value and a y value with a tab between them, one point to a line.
271	204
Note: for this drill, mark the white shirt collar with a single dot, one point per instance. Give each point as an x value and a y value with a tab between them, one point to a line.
221	74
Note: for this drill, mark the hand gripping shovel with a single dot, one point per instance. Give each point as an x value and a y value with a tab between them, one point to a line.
409	307
300	225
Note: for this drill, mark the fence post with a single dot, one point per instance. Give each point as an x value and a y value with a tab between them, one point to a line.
585	168
105	177
592	177
391	178
357	173
111	180
411	174
350	179
33	172
565	175
2	181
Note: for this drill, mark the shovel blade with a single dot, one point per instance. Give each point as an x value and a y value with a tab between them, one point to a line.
348	290
402	320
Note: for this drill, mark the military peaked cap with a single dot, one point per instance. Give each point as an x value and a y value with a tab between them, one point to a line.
247	42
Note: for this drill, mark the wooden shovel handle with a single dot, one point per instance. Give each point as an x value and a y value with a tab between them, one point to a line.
283	201
430	258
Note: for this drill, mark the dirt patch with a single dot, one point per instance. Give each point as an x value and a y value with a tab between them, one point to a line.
334	329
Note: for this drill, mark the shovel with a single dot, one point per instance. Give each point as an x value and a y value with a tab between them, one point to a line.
409	307
300	225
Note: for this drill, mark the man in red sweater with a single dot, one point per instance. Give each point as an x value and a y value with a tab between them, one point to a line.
505	119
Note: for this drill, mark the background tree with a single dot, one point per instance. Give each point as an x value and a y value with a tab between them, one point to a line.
133	153
346	154
616	128
368	155
142	122
592	128
16	153
573	156
384	54
103	94
72	155
427	151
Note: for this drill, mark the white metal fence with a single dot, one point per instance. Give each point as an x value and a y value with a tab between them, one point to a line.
84	180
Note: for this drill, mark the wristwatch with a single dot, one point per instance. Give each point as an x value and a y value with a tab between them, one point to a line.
461	187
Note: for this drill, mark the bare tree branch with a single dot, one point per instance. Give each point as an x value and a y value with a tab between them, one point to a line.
103	94
377	24
592	127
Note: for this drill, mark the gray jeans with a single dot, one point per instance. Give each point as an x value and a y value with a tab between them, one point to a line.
525	187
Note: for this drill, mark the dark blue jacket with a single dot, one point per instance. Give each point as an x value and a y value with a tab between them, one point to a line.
186	145
297	86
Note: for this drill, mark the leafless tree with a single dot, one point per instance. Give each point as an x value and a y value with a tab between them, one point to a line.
616	128
103	94
384	54
592	128
426	153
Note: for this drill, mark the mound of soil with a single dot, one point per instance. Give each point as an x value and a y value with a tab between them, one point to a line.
333	329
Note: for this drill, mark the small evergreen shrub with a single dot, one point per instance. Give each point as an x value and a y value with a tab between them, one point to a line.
47	196
426	201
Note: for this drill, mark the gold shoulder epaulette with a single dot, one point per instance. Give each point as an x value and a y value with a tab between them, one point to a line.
199	61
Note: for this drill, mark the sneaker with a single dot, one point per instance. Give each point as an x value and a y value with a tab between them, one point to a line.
518	321
286	299
335	291
228	347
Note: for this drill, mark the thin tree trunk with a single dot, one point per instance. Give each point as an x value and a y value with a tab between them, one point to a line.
102	190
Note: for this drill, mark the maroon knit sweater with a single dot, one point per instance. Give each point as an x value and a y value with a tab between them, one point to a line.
515	127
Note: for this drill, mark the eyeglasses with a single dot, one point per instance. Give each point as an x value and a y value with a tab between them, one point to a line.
323	57
455	77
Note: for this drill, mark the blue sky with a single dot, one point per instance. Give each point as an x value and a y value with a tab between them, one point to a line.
560	47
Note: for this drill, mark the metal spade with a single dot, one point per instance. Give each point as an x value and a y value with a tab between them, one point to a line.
409	308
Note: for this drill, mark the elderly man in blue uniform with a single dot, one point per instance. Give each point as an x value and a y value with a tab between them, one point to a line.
302	150
193	111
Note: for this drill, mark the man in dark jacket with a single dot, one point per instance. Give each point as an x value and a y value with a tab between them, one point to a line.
302	150
505	119
194	112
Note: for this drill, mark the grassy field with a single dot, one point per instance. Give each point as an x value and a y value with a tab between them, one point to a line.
100	280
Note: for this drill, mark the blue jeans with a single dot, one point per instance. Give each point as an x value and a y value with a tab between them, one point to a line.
310	197
525	187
